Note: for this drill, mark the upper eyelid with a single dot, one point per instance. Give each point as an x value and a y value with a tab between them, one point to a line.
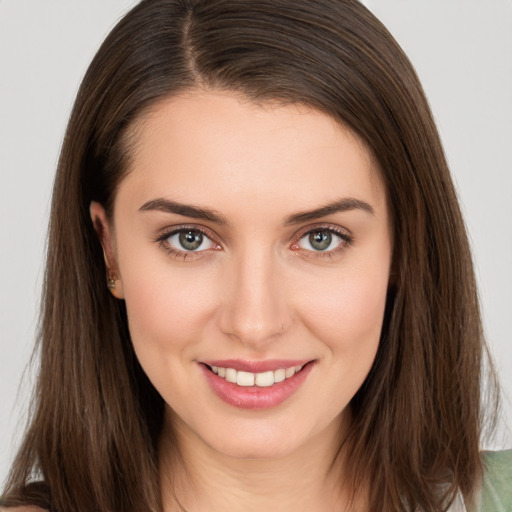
169	231
338	230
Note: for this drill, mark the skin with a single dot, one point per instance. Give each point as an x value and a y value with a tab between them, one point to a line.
258	291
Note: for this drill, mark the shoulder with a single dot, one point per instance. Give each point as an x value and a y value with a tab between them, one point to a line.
498	466
497	481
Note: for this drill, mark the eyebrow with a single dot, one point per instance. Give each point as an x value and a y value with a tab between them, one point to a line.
341	205
196	212
187	210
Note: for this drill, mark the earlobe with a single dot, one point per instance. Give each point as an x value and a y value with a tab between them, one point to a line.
104	232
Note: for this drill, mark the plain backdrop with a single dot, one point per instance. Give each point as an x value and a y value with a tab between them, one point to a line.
462	50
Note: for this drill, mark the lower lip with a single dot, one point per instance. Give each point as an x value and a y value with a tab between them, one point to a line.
254	397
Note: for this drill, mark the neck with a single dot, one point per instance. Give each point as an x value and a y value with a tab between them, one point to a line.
195	477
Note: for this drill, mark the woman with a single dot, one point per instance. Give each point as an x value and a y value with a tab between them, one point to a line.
290	317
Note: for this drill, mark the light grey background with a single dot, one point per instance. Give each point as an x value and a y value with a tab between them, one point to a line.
462	50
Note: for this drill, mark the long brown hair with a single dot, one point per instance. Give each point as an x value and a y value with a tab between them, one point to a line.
92	440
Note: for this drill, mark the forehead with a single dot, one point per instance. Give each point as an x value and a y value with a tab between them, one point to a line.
222	145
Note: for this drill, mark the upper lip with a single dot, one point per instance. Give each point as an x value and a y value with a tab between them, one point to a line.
256	366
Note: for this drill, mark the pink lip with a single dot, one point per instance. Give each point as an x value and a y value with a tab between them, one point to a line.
254	397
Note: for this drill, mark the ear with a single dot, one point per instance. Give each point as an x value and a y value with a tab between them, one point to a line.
104	232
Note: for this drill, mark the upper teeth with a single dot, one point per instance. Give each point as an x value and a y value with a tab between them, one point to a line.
263	379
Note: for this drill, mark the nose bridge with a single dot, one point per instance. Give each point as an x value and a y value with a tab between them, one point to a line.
254	307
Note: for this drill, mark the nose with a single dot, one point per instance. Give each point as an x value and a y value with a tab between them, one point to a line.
254	307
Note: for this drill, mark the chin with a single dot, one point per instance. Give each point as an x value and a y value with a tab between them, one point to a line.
241	438
250	448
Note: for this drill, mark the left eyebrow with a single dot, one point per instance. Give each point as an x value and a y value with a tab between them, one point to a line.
187	210
341	205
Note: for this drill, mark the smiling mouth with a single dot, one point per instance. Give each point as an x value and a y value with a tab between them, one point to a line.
256	384
249	379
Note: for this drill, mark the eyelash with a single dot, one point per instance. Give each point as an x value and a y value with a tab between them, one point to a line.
162	241
346	241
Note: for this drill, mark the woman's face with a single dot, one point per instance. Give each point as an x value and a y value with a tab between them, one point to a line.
252	244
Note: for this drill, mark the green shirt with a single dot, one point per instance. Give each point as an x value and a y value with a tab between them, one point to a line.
496	494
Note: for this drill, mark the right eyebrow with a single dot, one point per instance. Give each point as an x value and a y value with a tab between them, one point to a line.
341	205
187	210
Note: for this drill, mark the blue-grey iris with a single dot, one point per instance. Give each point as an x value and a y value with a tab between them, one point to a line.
191	240
320	240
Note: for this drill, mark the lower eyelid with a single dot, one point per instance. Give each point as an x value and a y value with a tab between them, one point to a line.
180	254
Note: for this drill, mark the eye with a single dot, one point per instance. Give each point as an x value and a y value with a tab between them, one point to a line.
323	240
190	240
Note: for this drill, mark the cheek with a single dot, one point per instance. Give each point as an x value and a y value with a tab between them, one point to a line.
157	308
166	306
167	313
346	313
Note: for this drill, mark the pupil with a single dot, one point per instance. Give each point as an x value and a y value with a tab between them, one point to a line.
190	240
320	240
